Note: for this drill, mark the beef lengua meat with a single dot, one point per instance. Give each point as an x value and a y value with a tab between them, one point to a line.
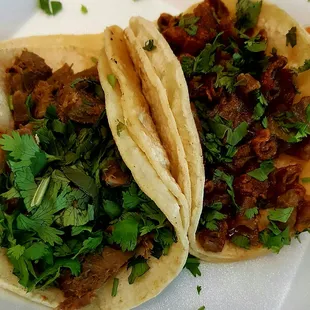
96	270
26	72
81	99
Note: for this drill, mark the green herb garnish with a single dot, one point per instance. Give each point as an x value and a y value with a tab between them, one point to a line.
84	9
291	37
188	24
112	80
139	268
115	287
241	242
149	45
280	215
192	264
247	14
250	213
261	174
50	7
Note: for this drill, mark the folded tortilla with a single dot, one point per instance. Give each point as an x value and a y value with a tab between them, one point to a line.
79	51
168	70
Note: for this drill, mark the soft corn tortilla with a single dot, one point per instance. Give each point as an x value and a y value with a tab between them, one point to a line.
168	69
162	271
139	122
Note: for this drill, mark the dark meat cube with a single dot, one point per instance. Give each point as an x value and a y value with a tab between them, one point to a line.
27	71
42	97
20	114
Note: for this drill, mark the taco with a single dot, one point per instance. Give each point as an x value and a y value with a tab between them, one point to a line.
85	221
246	80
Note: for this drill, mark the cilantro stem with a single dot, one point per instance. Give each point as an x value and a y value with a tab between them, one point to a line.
40	192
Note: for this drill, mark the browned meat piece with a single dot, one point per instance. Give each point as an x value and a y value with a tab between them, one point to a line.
232	108
303	216
20	113
25	130
278	85
249	84
292	197
299	109
146	244
281	179
42	97
79	100
245	185
301	150
166	21
264	145
213	241
114	176
247	202
216	192
96	270
61	76
241	221
26	72
203	87
243	156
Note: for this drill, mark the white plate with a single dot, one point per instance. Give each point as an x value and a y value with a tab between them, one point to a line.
275	282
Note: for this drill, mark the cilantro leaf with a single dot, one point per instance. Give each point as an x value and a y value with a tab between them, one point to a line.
261	174
120	127
247	14
204	62
255	44
192	264
187	64
130	198
228	179
291	37
265	122
16	251
202	308
241	241
198	289
90	245
82	180
188	22
280	215
250	213
125	232
165	237
112	80
50	7
149	45
36	251
84	9
115	287
305	180
139	268
275	242
304	67
75	216
235	136
76	230
53	272
261	105
10	194
112	209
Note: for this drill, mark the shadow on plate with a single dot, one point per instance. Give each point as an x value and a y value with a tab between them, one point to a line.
13	15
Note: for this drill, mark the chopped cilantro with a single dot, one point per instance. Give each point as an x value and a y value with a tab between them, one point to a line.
265	122
84	9
241	241
261	105
16	251
250	213
261	174
120	127
255	44
125	232
211	215
280	215
188	22
304	67
228	179
90	245
205	61
149	45
115	287
139	268
275	242
236	135
192	264
305	180
187	64
291	37
202	308
247	14
112	209
50	7
111	79
198	289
